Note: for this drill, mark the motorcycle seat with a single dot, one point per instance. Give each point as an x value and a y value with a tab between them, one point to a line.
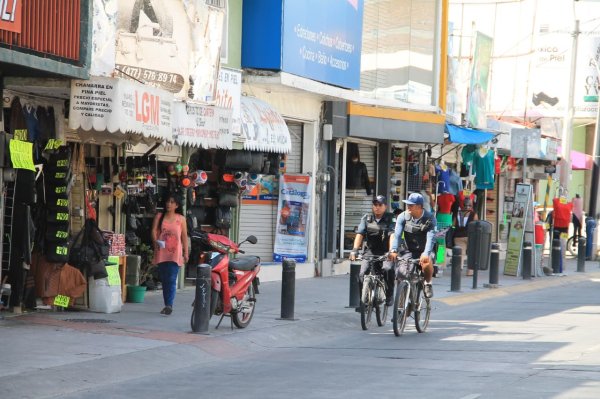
245	263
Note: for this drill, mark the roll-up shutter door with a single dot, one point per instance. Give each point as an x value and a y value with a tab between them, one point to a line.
260	219
357	201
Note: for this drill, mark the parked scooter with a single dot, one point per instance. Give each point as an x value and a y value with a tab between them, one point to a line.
234	282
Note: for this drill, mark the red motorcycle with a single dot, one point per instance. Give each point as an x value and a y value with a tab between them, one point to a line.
234	282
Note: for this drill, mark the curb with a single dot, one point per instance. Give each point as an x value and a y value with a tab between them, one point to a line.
546	282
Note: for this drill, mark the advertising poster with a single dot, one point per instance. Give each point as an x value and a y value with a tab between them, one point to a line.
262	189
228	95
480	75
521	212
103	42
293	217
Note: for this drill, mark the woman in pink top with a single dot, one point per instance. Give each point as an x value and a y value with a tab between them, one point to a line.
169	235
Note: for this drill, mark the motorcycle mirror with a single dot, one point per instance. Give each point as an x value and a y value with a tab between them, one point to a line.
252	239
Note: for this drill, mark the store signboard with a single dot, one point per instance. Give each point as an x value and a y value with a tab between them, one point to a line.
123	106
480	77
520	215
261	190
171	44
293	217
525	143
10	15
291	36
228	95
199	125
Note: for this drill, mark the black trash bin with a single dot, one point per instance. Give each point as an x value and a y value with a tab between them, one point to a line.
479	233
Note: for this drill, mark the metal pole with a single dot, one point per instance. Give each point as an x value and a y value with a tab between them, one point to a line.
567	136
494	264
527	260
354	294
202	300
288	289
477	255
556	256
456	272
581	255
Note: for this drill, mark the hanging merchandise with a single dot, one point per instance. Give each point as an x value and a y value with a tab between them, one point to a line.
483	168
467	154
357	175
443	175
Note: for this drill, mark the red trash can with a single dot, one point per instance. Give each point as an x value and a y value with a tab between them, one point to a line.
540	234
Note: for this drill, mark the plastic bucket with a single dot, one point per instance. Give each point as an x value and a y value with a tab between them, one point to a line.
135	293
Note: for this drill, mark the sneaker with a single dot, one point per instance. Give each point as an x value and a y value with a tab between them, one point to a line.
164	310
168	310
389	301
427	290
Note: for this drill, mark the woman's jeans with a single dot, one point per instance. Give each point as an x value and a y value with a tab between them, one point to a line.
168	272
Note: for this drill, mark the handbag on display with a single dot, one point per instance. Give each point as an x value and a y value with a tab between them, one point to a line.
223	217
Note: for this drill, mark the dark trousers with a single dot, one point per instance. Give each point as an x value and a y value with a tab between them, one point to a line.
388	275
576	228
168	272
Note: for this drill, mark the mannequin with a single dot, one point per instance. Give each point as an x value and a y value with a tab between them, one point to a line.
443	175
484	168
357	176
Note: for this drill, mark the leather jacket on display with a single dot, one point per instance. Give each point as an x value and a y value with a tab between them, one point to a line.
357	177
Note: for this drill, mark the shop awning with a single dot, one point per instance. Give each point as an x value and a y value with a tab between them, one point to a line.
120	106
263	127
200	125
464	135
581	161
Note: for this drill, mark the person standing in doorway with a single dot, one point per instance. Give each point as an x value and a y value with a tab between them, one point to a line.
577	216
171	252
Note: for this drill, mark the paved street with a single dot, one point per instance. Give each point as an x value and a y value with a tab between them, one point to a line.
535	339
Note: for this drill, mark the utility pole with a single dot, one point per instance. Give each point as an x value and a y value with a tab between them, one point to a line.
567	134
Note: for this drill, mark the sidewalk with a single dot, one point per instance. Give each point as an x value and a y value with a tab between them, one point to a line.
315	298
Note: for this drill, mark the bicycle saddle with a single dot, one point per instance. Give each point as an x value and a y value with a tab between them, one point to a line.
245	263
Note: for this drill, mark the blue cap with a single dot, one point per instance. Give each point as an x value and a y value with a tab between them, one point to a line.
414	199
380	199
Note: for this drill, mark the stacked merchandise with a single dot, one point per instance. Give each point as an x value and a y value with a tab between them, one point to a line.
57	178
396	175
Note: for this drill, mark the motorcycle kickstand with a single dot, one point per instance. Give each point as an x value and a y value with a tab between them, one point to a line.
221	319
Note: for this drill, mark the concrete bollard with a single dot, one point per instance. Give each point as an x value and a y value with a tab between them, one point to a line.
354	294
581	255
556	256
494	264
288	289
456	269
527	260
201	315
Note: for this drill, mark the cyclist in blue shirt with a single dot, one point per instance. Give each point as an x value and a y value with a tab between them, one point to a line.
418	226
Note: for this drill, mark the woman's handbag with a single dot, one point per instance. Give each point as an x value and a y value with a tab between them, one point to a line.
229	197
93	248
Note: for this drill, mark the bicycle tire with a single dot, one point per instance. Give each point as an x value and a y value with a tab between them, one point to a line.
422	311
366	309
381	312
573	246
400	308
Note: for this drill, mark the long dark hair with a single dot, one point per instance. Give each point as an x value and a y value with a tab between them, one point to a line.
178	201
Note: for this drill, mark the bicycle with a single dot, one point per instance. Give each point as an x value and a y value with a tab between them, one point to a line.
410	297
373	293
573	245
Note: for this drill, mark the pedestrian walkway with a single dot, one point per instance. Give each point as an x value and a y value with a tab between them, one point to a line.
315	297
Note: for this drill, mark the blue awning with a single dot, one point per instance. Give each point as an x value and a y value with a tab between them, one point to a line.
464	135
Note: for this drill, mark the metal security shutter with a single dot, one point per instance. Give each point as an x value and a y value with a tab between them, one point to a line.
293	163
357	201
260	220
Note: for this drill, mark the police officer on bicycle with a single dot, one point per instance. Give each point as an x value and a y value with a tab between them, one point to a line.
418	226
376	227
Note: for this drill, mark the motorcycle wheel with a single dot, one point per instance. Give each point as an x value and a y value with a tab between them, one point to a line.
241	317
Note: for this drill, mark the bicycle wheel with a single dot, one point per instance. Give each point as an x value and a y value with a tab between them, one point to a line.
366	305
381	312
400	308
422	311
572	246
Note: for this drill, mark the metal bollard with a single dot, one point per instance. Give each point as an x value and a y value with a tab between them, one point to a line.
494	264
354	295
202	315
556	256
456	271
581	255
527	260
288	289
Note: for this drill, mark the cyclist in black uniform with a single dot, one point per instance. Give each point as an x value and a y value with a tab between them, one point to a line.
418	226
377	227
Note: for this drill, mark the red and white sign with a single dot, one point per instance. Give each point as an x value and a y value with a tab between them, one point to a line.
199	125
118	105
10	15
